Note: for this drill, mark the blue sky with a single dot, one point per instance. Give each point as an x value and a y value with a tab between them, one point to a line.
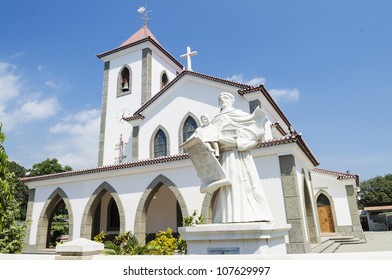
327	63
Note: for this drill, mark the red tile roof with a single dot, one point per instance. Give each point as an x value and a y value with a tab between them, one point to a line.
378	208
266	94
338	175
274	142
176	79
295	138
146	39
142	33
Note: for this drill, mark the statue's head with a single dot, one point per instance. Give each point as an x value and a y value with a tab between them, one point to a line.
226	100
205	119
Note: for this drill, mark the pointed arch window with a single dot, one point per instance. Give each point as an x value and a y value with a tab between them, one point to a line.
164	79
124	83
323	200
113	221
160	144
189	128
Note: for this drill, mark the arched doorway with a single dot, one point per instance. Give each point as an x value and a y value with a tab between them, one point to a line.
58	225
325	214
56	220
160	207
103	212
163	212
106	217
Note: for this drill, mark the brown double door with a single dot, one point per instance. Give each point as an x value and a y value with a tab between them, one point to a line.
326	218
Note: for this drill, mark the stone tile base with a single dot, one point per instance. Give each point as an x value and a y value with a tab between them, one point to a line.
236	238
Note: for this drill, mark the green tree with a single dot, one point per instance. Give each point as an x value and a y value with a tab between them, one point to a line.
6	197
21	191
60	224
48	166
11	233
376	191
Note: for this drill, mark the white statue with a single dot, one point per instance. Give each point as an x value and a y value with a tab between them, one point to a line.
244	200
209	134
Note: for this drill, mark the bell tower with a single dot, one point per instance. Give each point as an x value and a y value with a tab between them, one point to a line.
133	73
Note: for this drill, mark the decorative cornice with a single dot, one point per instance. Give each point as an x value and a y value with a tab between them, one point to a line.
179	76
294	138
279	128
274	142
126	165
147	39
338	175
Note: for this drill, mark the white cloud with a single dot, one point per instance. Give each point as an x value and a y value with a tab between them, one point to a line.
78	144
18	106
284	94
36	110
9	83
239	78
52	84
287	95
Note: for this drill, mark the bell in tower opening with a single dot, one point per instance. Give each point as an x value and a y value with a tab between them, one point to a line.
125	79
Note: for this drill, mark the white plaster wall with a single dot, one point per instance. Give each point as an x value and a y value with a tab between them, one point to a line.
158	66
129	103
336	189
269	172
131	184
190	96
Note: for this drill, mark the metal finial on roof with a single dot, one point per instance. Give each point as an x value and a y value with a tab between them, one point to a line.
143	11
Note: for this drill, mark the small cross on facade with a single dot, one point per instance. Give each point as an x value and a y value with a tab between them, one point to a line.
188	55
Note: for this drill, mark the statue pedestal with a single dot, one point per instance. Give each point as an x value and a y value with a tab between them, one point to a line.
236	238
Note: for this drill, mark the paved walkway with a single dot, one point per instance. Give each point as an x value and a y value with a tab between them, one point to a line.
376	241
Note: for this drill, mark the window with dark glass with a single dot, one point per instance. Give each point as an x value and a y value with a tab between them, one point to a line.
160	144
189	128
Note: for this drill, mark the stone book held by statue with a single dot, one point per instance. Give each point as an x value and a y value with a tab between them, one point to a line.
208	168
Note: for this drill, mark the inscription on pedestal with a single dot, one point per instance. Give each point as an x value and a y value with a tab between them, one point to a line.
223	250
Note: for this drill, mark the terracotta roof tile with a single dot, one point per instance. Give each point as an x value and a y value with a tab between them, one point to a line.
266	94
147	39
338	175
145	162
142	33
179	76
126	165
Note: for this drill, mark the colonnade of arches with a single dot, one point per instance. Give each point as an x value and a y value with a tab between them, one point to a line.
161	206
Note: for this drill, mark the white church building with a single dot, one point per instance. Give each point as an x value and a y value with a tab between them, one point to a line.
144	182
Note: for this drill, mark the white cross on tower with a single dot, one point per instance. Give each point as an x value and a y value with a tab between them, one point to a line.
188	57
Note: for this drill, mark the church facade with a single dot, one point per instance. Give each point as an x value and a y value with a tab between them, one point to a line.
145	182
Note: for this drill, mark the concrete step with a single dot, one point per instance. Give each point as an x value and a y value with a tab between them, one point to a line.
332	243
322	247
332	248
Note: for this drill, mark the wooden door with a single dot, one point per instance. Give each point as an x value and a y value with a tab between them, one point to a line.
326	218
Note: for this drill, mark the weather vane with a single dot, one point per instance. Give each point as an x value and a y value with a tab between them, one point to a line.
143	11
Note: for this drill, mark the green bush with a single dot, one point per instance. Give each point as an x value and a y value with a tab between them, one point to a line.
127	244
165	242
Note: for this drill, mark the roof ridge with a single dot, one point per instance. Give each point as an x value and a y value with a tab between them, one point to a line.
339	175
179	76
